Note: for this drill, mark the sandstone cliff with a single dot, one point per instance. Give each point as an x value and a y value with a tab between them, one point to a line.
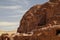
40	16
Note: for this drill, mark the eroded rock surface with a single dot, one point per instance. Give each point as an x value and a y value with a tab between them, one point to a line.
39	16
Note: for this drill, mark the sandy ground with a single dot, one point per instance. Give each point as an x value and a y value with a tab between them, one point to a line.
9	32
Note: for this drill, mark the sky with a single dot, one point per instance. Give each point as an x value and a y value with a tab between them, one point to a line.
11	12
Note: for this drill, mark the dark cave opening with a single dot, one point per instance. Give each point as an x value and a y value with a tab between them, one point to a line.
57	32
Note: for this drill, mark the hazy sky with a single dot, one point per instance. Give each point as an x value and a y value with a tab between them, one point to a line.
11	11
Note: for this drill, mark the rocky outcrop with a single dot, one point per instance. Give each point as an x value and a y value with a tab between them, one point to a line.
40	16
43	21
40	22
45	33
5	37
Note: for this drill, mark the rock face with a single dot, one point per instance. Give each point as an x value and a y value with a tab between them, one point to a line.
40	16
5	37
45	33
